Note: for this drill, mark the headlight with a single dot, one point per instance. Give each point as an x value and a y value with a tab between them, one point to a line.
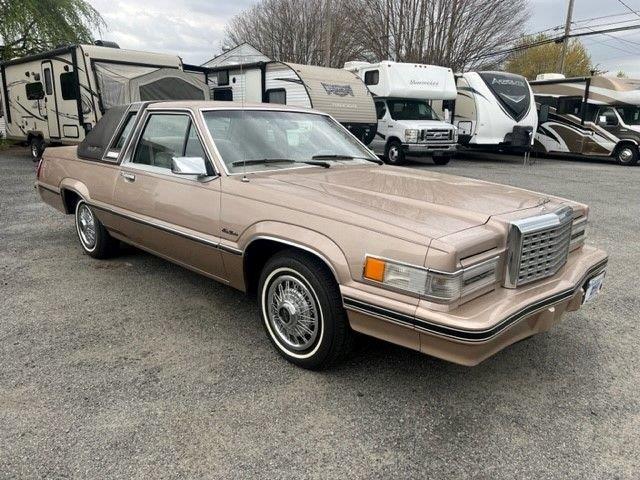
455	134
411	135
578	232
431	284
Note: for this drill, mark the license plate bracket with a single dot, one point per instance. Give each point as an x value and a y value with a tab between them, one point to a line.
592	287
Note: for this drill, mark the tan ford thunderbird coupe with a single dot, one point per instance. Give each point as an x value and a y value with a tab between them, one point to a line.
286	204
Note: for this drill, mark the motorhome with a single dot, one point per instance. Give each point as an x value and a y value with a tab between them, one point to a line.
494	111
337	92
592	116
407	123
56	97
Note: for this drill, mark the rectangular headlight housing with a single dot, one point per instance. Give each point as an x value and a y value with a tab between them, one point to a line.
411	135
430	284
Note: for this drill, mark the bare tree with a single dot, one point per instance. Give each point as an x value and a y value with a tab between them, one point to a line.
294	31
453	33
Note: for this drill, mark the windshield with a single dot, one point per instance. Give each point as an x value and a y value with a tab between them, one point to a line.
411	110
268	139
630	114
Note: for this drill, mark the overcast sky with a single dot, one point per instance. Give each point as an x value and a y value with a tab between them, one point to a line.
194	29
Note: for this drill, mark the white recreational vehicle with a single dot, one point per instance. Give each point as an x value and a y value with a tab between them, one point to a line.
591	116
407	123
57	96
337	92
494	111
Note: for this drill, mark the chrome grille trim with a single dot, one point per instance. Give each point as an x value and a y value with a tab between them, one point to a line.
537	247
436	135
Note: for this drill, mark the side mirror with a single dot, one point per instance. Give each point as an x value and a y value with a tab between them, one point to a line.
189	166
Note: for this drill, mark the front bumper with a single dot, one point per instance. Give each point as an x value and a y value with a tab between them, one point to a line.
428	149
482	327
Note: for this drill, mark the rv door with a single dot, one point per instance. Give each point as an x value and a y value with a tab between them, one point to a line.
50	100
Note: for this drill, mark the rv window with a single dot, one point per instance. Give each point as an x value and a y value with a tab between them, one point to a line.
372	77
223	94
277	95
48	86
543	100
68	86
381	110
34	91
223	77
570	105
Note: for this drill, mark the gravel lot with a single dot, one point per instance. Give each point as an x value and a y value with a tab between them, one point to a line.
136	368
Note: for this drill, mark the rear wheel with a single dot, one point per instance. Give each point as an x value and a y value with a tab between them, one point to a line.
36	148
627	154
94	238
394	155
301	310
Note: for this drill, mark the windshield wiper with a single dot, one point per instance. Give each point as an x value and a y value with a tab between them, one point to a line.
345	157
259	161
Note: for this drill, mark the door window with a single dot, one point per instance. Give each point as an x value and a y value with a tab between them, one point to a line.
48	86
166	136
68	86
609	115
381	110
162	139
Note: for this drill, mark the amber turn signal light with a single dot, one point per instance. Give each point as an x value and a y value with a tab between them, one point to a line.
374	269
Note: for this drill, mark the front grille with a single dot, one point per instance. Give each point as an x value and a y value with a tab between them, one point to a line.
538	247
436	135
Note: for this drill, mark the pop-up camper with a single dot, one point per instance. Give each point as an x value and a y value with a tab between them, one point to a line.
407	123
591	116
494	111
57	96
337	92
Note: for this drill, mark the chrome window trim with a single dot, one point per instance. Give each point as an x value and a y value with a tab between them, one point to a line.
137	133
219	158
106	156
519	228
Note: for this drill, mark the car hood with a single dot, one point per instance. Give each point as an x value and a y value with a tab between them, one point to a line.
426	203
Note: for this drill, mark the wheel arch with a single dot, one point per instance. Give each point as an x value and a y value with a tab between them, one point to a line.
262	246
71	192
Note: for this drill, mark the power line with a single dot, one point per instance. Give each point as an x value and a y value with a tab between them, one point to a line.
629	8
558	39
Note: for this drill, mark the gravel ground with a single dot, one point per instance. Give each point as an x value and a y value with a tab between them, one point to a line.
136	368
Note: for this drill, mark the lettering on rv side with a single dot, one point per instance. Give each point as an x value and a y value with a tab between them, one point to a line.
339	90
508	81
424	83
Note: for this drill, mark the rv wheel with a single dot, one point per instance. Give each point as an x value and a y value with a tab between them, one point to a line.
627	154
394	154
36	146
441	159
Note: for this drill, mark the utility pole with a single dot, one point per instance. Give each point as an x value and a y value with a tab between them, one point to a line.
565	40
327	33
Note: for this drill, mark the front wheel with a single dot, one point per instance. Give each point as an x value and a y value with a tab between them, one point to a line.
394	155
441	159
627	155
301	310
94	238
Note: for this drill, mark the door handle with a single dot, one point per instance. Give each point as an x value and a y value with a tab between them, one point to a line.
129	177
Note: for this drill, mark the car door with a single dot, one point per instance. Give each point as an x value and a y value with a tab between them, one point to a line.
175	216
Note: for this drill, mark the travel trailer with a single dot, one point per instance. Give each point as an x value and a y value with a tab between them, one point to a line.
337	92
407	123
58	96
494	111
592	116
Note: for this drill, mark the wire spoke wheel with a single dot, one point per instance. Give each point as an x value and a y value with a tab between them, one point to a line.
86	226
293	312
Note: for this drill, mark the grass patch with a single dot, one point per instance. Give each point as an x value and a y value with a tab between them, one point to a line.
5	144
